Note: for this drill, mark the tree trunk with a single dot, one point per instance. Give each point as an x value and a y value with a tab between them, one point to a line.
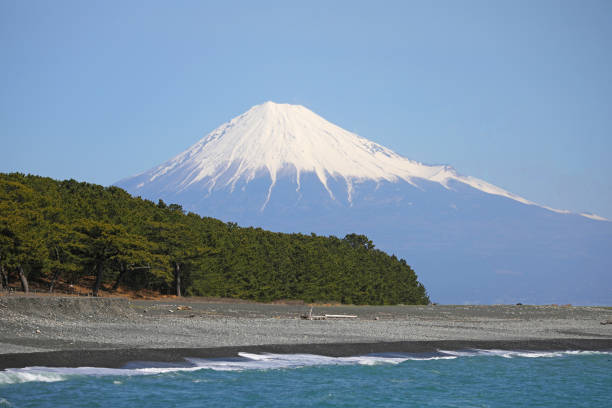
55	274
53	280
2	284
98	282
177	276
24	280
5	276
122	272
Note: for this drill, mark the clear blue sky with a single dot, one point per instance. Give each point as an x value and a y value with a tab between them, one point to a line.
518	93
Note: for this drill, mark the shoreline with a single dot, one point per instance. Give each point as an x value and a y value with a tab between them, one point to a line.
118	358
110	332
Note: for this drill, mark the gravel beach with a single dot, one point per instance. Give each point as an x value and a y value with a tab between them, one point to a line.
72	331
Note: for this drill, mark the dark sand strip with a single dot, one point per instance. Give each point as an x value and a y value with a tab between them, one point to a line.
117	358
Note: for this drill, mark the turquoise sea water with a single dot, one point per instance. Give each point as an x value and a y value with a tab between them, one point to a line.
476	378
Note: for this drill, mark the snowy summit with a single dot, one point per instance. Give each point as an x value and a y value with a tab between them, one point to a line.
286	169
272	139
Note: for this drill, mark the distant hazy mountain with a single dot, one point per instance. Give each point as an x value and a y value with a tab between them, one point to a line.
284	168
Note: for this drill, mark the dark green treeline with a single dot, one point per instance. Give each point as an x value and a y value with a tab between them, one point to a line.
65	230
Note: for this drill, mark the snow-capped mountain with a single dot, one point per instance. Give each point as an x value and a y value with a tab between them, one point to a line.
285	168
273	138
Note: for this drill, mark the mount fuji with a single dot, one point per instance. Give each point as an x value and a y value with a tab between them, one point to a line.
284	168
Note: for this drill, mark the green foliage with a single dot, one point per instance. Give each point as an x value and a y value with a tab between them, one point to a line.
74	230
21	239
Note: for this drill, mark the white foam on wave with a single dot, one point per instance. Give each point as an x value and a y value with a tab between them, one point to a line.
5	403
53	374
12	376
270	361
246	361
587	353
265	361
520	353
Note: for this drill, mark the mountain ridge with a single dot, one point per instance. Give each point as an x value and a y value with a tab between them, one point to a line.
283	138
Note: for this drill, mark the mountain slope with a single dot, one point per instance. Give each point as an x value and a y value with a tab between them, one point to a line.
279	138
285	168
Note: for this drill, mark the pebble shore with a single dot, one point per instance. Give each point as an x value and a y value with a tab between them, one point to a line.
45	325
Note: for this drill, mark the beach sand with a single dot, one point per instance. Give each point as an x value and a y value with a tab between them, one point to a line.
109	332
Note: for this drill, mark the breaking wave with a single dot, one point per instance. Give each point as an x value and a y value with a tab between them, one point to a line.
265	361
519	353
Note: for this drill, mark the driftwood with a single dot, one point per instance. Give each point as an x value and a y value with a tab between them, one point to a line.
609	321
310	316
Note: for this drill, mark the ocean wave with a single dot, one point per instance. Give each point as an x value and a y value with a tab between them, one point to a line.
520	353
53	374
5	403
266	361
16	376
